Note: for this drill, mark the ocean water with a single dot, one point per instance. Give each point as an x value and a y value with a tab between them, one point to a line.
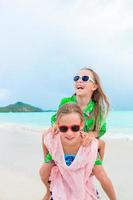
119	123
35	119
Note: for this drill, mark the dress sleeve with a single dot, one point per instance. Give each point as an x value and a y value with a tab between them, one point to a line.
102	130
103	124
48	140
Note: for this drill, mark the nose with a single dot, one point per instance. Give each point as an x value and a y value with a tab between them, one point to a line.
79	80
70	132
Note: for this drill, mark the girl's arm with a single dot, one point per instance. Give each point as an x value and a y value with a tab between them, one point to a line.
45	150
101	148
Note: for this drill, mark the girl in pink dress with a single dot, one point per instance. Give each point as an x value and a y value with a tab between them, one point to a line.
71	175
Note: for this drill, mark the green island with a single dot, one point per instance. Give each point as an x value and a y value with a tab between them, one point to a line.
21	107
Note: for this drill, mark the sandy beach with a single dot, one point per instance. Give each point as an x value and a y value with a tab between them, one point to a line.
21	156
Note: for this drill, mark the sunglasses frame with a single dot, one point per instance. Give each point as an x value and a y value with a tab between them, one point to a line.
69	127
81	78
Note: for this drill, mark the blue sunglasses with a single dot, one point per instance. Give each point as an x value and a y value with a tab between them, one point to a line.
83	78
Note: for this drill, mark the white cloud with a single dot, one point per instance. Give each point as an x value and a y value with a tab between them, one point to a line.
5	94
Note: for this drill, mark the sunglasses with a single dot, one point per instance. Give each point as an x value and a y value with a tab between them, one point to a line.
64	128
83	78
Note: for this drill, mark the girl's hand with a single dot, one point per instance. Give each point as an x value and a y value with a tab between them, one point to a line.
54	129
88	137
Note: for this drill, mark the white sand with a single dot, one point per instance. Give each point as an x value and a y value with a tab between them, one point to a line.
118	164
23	183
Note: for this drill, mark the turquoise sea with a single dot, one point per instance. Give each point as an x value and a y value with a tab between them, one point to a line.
119	123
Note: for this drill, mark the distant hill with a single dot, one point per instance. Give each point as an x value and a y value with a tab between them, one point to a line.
20	107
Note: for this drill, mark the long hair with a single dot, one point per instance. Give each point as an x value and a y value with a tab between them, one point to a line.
101	100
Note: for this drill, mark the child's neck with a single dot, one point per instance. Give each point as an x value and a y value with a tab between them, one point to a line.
72	149
83	100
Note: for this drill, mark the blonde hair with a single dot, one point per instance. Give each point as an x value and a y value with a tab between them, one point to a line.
101	100
68	109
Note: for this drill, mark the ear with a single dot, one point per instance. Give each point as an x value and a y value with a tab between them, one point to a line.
94	87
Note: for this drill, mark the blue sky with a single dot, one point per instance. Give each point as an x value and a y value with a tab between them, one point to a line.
43	43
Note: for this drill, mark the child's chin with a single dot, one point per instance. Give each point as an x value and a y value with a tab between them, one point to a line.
70	142
79	93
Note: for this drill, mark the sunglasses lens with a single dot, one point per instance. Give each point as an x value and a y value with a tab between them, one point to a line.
85	78
63	129
75	128
76	78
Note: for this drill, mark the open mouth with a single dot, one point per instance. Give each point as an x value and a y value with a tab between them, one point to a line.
80	87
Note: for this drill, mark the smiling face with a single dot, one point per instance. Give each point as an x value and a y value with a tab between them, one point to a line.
83	88
70	137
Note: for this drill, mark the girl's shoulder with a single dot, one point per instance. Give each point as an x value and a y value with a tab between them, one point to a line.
94	144
65	100
48	138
